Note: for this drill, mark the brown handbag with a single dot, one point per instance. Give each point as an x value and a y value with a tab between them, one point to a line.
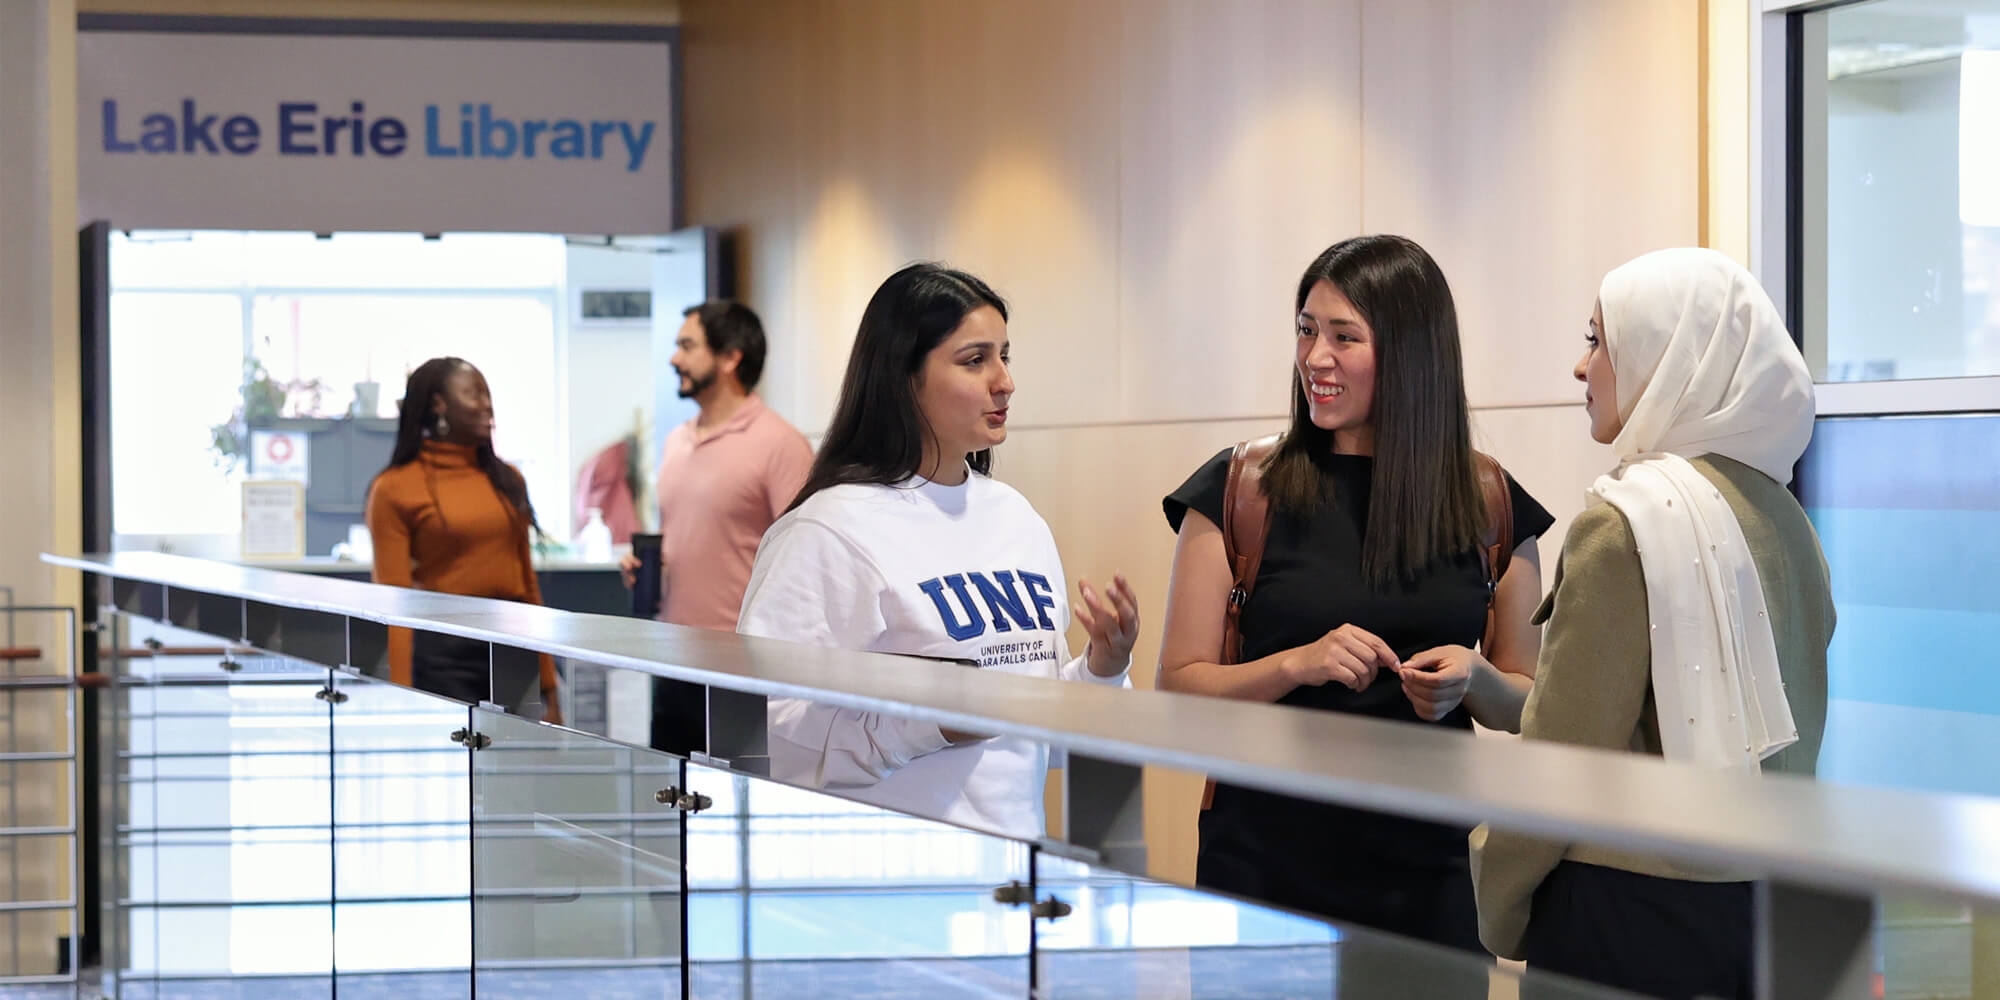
1246	520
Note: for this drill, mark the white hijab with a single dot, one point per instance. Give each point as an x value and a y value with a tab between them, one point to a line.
1704	366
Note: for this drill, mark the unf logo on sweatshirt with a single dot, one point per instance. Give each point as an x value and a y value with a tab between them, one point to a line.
1007	600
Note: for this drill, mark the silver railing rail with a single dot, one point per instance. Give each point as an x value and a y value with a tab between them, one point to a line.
1826	850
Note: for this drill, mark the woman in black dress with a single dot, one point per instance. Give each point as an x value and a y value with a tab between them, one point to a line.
1371	615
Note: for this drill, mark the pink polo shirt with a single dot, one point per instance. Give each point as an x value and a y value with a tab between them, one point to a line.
717	496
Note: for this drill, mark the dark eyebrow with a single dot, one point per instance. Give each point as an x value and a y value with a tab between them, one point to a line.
1341	321
984	345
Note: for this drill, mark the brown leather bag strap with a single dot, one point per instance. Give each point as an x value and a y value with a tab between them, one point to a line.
1497	545
1246	520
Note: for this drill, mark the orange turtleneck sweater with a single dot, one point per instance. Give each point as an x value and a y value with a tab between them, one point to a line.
438	524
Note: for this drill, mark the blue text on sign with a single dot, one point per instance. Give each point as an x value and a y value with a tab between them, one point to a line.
304	130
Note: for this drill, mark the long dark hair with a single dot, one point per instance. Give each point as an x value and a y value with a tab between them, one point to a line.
413	427
877	434
1424	495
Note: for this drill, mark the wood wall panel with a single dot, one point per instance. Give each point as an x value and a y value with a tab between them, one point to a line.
1241	161
1549	451
1530	145
744	110
1021	141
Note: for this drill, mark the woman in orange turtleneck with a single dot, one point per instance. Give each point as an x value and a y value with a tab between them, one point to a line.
447	515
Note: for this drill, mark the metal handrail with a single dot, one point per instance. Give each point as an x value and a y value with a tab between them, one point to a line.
1838	838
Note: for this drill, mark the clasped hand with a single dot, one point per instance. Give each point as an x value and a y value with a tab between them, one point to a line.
1434	680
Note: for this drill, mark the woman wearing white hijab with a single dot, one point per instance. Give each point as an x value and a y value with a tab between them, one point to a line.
1690	619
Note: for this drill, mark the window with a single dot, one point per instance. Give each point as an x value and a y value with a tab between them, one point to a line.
1911	531
1896	264
332	319
1903	286
176	362
348	340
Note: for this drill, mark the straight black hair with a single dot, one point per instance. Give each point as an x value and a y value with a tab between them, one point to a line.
877	433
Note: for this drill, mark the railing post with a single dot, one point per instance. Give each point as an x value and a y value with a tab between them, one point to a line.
1104	810
739	733
1813	944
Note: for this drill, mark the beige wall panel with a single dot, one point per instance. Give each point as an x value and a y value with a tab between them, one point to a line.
866	202
1100	489
1020	140
1726	128
1549	450
1240	161
745	89
1534	145
28	508
41	447
40	409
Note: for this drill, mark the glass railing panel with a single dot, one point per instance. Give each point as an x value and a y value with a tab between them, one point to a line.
402	808
1121	936
577	864
798	893
224	821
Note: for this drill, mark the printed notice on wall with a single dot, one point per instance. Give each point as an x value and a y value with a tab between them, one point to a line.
281	455
274	520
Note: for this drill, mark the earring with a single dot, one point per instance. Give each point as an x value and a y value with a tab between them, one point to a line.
443	428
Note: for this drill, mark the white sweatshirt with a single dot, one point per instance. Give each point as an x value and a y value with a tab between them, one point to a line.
966	572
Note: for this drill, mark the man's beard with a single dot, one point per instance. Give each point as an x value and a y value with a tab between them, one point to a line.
692	387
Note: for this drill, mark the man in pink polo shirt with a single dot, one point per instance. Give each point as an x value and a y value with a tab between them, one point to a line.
724	477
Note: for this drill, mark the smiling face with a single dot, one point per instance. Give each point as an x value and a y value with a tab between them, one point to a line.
1600	392
1335	358
963	390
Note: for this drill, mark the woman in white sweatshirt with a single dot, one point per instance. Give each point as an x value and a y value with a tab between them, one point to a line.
900	543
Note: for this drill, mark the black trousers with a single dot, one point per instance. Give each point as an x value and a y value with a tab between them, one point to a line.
1659	937
460	669
473	671
680	716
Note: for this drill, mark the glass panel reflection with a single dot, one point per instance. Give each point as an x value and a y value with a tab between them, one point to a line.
402	842
577	864
793	893
1127	937
224	821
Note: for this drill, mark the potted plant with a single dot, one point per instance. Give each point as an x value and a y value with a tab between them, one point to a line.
264	401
